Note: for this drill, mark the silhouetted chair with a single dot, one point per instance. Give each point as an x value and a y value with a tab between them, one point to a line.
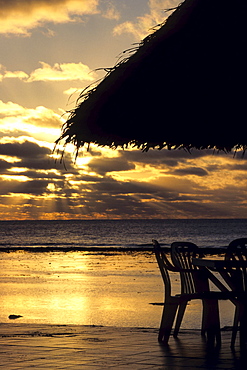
194	281
171	303
194	285
237	280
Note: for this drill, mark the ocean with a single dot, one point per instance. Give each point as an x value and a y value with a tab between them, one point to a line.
117	234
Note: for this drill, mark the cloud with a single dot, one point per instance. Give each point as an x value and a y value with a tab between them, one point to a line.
76	193
24	155
16	74
42	174
42	117
4	165
57	72
111	12
62	72
33	187
105	165
28	155
26	149
112	198
48	33
197	171
181	186
237	165
27	169
37	163
32	156
40	123
144	24
36	186
21	16
10	109
160	158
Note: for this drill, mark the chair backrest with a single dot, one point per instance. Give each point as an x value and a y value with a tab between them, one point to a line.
193	279
165	266
237	251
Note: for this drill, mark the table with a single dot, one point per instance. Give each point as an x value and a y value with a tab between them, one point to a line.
218	264
224	267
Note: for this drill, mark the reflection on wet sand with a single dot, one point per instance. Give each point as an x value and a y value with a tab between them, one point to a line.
109	289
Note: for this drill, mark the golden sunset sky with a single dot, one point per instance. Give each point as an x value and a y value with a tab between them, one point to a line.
50	51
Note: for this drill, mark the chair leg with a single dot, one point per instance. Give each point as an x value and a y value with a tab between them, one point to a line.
211	321
204	321
237	317
181	311
168	316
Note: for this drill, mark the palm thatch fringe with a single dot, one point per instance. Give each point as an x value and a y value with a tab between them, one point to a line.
183	86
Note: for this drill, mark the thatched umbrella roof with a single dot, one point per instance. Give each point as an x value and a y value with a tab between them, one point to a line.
184	86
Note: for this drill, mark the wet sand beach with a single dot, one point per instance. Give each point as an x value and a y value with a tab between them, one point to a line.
85	288
84	310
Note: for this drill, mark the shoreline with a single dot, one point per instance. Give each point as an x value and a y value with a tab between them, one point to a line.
40	249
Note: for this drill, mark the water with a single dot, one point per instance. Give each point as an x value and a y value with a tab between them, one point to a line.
105	234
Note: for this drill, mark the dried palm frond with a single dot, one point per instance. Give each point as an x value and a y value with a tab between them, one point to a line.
184	86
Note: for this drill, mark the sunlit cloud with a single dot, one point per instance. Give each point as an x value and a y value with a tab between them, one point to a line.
21	16
57	72
10	109
22	148
137	30
144	24
16	74
62	72
40	123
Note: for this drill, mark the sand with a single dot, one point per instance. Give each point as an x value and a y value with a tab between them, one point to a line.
82	288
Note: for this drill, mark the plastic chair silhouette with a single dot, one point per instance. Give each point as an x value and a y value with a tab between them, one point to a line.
237	280
174	306
171	303
194	285
195	282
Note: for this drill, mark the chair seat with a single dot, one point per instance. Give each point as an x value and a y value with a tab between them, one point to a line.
218	295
